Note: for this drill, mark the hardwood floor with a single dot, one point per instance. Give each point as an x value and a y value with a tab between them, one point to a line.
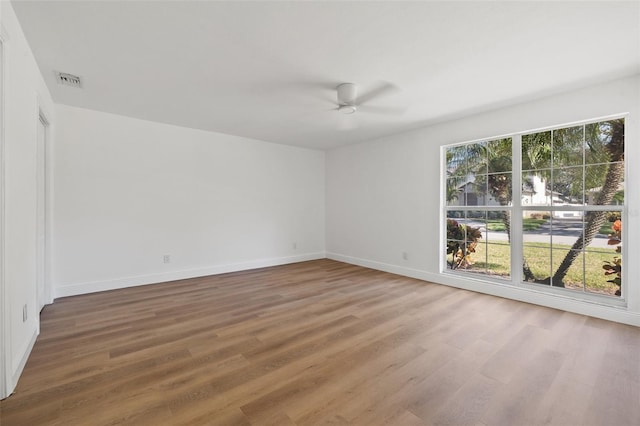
318	343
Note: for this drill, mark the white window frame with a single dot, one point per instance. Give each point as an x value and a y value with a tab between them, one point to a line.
516	209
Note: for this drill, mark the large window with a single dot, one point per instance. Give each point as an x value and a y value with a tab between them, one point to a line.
478	199
543	208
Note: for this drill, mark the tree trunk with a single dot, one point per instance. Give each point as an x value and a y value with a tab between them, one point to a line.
506	220
595	219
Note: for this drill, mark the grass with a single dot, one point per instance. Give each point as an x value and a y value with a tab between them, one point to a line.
528	224
606	228
543	262
496	225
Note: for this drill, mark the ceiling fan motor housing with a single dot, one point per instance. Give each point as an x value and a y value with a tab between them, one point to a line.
347	94
347	98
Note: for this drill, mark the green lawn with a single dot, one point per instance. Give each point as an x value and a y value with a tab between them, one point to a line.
543	261
606	228
528	224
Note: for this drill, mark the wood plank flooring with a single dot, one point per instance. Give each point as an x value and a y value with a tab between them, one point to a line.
322	343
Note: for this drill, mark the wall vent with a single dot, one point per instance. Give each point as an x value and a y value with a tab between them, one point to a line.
68	79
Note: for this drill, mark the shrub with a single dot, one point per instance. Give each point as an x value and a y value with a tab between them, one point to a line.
614	267
461	242
613	216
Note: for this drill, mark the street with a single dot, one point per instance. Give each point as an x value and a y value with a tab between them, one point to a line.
565	231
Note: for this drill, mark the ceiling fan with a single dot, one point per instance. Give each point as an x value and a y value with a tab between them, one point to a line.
349	102
347	98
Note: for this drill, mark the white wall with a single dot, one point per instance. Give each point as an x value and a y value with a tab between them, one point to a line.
383	195
24	94
129	191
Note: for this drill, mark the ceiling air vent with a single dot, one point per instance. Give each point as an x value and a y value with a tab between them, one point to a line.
68	79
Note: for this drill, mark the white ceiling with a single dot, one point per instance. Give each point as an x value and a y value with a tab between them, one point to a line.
267	70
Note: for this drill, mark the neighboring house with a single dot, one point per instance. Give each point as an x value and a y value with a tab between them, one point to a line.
534	193
474	196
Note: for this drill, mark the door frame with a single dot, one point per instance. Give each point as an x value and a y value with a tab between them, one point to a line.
43	287
4	315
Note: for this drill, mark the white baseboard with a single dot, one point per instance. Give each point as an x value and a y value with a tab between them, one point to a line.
17	365
565	303
95	286
386	267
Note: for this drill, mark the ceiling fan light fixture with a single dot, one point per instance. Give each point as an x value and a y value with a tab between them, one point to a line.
347	109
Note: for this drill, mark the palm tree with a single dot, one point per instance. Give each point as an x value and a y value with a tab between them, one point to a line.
536	160
456	171
499	178
606	139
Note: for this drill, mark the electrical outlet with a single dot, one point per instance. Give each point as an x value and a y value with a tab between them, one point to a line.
167	258
24	313
405	256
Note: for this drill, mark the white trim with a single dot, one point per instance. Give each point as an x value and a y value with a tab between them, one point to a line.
624	288
386	267
545	208
442	261
527	295
95	286
44	196
40	216
516	225
4	315
18	366
49	164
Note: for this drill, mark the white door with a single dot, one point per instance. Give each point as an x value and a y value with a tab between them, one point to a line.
41	209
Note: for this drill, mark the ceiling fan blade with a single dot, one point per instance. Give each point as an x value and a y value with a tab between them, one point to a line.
380	89
372	109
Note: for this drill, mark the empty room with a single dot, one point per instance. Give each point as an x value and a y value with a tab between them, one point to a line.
319	213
